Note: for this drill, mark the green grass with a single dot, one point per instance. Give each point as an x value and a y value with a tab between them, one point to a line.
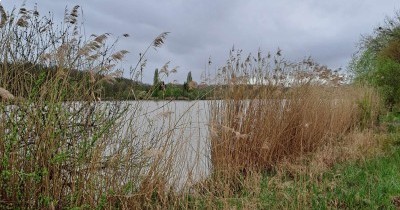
369	184
392	122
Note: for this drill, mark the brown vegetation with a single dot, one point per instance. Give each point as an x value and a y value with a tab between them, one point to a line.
5	94
260	129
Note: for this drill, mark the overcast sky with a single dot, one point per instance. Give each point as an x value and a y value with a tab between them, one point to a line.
326	30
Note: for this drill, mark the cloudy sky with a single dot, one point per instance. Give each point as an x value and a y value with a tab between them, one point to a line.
326	30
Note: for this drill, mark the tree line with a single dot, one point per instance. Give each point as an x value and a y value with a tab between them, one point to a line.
121	88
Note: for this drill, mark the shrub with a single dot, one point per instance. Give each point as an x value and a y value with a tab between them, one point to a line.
377	60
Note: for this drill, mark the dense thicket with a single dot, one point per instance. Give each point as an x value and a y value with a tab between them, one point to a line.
378	60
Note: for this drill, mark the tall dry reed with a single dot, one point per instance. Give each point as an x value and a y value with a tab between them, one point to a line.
273	110
60	146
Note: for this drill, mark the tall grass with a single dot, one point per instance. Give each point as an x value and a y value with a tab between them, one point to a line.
60	146
274	111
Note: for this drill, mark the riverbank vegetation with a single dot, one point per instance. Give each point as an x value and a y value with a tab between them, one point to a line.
60	147
284	135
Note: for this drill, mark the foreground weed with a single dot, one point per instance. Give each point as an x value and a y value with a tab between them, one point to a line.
61	147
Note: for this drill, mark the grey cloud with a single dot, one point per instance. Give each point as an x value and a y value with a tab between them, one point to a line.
325	30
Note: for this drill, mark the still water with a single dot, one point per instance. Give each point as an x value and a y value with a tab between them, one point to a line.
181	124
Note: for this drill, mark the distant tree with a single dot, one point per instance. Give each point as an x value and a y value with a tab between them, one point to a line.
156	79
162	86
189	77
156	84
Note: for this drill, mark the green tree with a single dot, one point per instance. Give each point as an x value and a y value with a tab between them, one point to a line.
156	79
156	84
387	74
189	77
377	62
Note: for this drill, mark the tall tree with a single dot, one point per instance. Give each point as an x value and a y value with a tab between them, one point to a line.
156	79
189	77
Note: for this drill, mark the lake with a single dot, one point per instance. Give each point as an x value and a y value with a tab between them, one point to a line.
181	127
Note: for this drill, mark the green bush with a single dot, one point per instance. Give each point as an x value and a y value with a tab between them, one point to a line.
387	79
377	62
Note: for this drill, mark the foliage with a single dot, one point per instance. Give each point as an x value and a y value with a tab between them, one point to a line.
156	78
376	62
387	79
189	77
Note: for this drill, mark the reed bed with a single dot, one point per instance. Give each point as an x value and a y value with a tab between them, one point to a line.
274	111
256	133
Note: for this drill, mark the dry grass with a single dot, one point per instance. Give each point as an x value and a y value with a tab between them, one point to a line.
354	146
5	94
287	113
321	179
62	148
257	133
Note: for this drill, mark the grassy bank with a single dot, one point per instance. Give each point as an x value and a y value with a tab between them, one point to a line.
368	183
361	172
277	147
